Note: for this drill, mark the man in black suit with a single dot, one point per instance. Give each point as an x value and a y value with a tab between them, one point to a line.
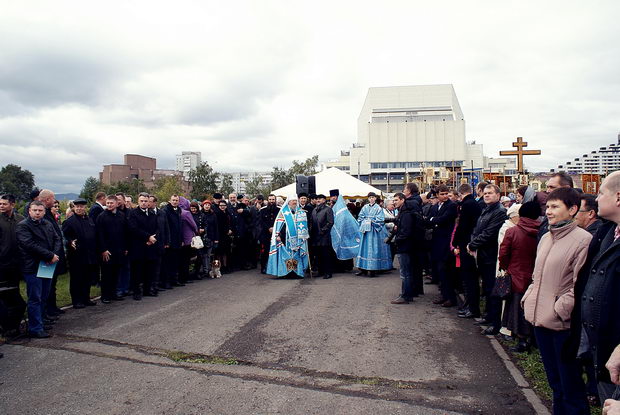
38	243
441	219
267	219
111	228
322	222
469	212
98	207
173	252
48	198
143	229
163	241
413	203
81	241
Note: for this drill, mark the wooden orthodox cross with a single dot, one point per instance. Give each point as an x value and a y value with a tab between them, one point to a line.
520	152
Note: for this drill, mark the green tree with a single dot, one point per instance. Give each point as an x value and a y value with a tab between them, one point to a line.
90	189
307	168
166	187
203	180
16	181
255	187
281	177
136	186
226	186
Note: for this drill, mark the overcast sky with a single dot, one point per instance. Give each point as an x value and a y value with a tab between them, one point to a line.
257	84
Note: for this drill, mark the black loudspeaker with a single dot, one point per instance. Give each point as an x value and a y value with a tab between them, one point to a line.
301	184
311	185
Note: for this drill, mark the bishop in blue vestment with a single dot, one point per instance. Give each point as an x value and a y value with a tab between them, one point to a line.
288	252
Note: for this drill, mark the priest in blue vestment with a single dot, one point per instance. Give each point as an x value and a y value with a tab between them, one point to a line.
288	253
374	253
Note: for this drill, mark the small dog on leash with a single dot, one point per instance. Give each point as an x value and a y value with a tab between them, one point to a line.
215	269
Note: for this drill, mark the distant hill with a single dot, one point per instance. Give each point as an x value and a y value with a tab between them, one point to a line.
67	196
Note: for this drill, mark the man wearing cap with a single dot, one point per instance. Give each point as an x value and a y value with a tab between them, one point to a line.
288	251
333	196
81	243
322	222
374	254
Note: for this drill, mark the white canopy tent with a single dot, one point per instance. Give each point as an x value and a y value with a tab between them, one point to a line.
334	178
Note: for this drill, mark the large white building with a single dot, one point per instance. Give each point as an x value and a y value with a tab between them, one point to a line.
406	131
187	161
602	161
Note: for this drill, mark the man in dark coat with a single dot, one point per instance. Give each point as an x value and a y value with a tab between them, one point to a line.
48	198
163	241
173	252
597	293
81	241
12	305
98	207
483	246
320	231
38	243
469	212
267	219
413	203
255	229
143	228
111	228
441	220
587	216
404	241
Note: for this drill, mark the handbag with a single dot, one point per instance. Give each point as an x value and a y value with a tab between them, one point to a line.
197	242
503	285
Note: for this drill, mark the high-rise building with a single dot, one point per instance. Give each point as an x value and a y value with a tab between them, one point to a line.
409	130
187	161
601	161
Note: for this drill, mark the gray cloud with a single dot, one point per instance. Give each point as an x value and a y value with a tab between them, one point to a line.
254	86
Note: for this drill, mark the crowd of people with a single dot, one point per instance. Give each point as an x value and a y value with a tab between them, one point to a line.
540	266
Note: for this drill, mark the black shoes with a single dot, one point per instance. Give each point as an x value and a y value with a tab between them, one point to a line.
327	276
106	300
90	303
78	306
118	298
178	284
467	314
361	272
39	335
521	347
490	331
137	296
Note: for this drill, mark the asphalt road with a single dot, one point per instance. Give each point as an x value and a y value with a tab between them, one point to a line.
247	343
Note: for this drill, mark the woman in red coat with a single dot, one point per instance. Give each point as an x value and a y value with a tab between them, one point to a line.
517	255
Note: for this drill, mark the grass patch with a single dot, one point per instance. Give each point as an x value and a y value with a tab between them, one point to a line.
533	369
197	358
63	298
369	381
